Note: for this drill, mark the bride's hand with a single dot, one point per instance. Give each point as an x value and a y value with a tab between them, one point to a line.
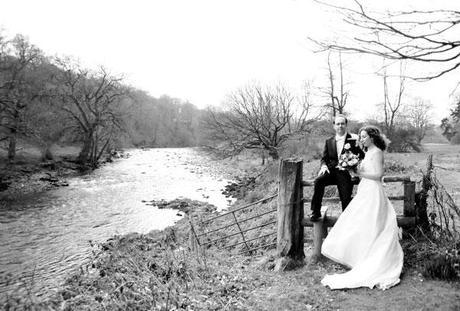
357	171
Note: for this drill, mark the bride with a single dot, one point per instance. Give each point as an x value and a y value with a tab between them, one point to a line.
365	237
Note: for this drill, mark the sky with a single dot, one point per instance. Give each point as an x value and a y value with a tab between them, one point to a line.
202	50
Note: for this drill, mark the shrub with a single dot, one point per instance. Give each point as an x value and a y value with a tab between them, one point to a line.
303	147
441	267
254	196
455	140
404	140
394	166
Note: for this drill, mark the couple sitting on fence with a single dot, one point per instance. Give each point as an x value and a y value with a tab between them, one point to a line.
365	237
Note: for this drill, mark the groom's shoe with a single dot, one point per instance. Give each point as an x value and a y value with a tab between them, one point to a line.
315	217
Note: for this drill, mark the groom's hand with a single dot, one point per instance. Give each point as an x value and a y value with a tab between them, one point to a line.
323	170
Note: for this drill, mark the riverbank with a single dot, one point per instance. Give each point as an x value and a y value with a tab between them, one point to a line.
22	179
28	174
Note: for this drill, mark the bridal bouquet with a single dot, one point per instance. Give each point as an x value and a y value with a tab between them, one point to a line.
348	160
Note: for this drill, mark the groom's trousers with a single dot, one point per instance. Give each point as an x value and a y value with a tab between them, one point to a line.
337	177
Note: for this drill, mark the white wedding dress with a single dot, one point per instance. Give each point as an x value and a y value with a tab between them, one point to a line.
365	237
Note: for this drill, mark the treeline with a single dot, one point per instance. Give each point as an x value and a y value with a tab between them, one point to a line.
161	122
47	100
451	125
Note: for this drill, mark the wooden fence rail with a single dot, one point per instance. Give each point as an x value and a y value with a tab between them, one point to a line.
291	220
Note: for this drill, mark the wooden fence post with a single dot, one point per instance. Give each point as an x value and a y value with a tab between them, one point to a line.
319	234
290	238
409	200
421	198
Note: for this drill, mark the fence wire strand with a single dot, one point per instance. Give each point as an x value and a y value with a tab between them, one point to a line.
444	214
237	224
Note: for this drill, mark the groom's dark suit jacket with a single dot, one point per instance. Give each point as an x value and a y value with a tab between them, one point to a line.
330	158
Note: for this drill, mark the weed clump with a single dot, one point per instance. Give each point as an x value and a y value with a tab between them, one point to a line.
434	259
443	267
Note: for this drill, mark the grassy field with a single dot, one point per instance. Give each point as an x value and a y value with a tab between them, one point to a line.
28	174
31	154
446	160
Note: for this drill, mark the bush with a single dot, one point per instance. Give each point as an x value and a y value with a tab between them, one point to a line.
355	126
441	267
404	140
394	166
303	147
240	187
254	196
455	140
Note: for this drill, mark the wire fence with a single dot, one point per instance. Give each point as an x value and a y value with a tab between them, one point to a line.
443	212
205	229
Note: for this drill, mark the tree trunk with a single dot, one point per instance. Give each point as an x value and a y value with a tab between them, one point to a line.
273	153
101	152
84	153
93	152
46	153
12	138
263	157
12	146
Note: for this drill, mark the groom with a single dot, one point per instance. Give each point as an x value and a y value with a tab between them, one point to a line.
329	174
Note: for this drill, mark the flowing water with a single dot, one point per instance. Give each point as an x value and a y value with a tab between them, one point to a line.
45	237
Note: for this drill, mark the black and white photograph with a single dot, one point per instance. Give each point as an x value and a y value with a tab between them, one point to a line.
230	155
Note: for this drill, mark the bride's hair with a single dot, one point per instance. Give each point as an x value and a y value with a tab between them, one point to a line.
379	139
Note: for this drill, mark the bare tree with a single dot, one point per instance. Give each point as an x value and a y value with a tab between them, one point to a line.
392	106
18	86
455	112
90	99
258	117
448	129
451	125
427	37
338	95
418	115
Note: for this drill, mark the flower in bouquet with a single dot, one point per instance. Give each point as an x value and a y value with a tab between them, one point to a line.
348	161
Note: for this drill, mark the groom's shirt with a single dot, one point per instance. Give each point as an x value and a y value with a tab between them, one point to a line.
340	142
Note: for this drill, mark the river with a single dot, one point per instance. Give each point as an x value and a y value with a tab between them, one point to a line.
45	237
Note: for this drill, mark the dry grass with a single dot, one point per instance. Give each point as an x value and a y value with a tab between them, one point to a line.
27	174
155	272
27	153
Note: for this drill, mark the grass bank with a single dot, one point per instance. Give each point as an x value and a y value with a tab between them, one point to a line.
29	174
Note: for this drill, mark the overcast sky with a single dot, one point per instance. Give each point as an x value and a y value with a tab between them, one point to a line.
200	50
